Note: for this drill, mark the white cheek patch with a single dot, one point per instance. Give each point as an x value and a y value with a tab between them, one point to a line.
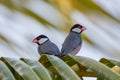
76	30
42	40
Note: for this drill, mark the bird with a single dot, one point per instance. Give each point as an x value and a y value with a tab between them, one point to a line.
73	42
45	46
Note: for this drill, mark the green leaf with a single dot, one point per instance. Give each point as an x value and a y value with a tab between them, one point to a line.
43	60
38	68
68	60
115	62
15	74
97	67
22	69
63	69
107	62
5	73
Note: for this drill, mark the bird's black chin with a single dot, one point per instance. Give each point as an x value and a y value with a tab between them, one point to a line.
81	32
38	43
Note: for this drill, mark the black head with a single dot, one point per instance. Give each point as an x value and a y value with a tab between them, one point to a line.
41	36
77	28
40	39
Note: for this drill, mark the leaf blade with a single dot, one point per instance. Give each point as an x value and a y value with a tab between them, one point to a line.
38	68
22	69
98	68
64	70
5	73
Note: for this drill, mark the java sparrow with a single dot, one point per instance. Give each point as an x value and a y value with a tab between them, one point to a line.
73	41
45	46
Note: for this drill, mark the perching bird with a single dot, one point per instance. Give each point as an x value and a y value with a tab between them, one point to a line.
73	42
45	46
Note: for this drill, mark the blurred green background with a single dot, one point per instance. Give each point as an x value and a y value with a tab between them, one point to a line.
22	20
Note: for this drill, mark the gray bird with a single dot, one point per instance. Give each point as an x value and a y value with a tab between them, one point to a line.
45	46
73	41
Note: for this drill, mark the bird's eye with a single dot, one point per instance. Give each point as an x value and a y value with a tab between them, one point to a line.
80	27
38	38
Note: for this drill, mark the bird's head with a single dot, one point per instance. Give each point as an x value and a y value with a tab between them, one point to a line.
40	39
77	28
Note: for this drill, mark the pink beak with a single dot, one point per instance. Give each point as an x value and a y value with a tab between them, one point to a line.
83	28
35	40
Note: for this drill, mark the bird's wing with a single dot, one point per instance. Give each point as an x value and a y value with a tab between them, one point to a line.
76	50
50	48
39	50
70	43
54	49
